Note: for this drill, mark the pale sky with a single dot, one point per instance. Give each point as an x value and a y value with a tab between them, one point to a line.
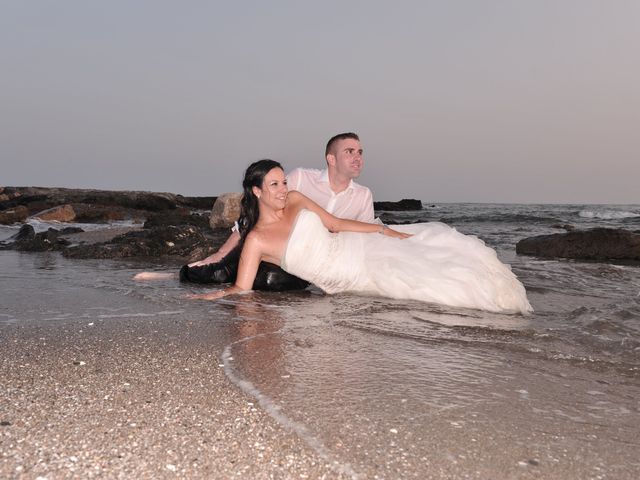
455	100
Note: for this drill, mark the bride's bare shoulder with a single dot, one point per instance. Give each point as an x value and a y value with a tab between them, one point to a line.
296	201
294	196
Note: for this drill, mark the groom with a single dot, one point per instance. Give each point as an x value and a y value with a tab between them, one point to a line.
333	189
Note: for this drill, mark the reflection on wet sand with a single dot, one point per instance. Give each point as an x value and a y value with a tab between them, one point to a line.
257	347
374	384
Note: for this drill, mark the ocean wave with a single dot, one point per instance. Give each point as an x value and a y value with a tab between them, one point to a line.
607	214
502	218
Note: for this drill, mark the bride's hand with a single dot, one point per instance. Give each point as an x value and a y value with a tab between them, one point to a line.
396	234
215	258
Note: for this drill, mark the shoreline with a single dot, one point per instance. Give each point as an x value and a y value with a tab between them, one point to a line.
106	377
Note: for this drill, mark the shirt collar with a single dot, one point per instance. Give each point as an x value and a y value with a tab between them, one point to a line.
324	177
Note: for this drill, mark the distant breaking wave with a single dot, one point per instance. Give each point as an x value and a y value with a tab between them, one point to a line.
501	218
607	214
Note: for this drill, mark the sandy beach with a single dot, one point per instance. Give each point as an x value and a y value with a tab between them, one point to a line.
134	398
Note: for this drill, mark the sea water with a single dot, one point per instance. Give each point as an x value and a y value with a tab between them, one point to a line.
377	385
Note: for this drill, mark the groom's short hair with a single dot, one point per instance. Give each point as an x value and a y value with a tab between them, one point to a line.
336	138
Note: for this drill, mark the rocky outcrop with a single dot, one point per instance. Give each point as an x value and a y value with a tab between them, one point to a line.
564	226
59	196
173	225
62	213
14	215
27	240
404	204
225	211
182	240
86	213
594	244
179	216
91	206
200	203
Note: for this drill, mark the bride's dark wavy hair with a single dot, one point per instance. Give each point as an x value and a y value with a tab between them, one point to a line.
253	177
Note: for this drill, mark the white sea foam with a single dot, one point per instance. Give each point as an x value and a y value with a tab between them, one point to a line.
607	214
274	410
43	226
128	315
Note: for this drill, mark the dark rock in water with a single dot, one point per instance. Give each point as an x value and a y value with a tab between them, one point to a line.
25	234
26	240
152	242
566	226
404	204
594	244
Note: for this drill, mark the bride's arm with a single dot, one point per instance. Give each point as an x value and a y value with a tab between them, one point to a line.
247	269
334	224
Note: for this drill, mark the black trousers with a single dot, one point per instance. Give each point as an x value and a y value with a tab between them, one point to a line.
270	277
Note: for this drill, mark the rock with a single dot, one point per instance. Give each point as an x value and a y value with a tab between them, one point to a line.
33	204
51	197
86	213
4	197
180	216
202	203
566	226
26	240
26	232
71	230
593	244
62	213
153	242
14	215
404	204
226	210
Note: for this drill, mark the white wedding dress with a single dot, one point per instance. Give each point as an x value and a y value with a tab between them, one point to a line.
438	264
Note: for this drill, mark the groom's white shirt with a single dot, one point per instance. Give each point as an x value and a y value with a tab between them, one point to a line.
355	202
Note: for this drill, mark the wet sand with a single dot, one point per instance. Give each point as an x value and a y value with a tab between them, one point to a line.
102	376
147	398
134	399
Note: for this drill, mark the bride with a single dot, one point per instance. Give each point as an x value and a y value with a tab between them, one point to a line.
430	262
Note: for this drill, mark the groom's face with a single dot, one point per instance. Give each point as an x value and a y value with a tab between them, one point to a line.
347	158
